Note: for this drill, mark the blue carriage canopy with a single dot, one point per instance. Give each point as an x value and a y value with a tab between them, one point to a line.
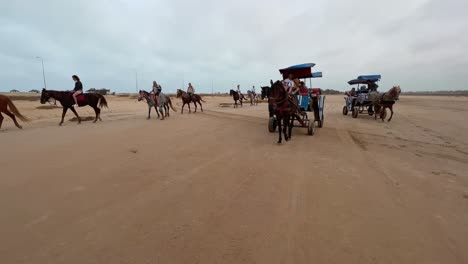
300	71
365	79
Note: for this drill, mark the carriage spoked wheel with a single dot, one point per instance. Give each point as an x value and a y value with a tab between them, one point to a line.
272	124
345	110
355	112
311	128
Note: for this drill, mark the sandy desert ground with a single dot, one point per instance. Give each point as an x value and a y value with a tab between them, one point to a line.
214	187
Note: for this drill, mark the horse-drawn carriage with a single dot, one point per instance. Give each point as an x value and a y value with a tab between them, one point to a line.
359	102
309	102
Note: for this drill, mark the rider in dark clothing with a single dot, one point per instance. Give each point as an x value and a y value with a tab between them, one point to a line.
78	89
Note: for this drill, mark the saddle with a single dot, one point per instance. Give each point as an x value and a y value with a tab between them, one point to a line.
81	99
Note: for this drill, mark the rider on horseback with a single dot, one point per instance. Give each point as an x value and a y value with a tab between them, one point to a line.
77	90
190	91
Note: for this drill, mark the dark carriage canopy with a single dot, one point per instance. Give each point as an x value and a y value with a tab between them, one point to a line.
300	71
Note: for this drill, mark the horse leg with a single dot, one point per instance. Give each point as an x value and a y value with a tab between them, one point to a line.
161	109
182	112
12	116
65	109
149	113
1	119
391	113
375	113
286	128
195	104
166	107
279	130
189	109
97	111
74	111
290	126
201	106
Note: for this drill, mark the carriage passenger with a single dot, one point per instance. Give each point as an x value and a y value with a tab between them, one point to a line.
288	83
352	92
303	90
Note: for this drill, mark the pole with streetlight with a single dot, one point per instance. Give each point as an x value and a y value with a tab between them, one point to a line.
43	71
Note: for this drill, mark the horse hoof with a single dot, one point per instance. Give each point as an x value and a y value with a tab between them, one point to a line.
20	127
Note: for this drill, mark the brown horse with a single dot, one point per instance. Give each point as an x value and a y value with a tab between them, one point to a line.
383	101
186	100
5	103
236	97
66	100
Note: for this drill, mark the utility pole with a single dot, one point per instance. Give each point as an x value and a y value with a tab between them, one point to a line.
212	91
43	71
136	81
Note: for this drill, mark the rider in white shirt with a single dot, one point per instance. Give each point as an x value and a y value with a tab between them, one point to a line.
288	83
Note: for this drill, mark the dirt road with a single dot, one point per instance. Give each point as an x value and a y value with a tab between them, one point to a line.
215	187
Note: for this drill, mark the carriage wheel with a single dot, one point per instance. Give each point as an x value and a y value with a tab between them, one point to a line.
311	128
345	110
320	123
355	112
272	124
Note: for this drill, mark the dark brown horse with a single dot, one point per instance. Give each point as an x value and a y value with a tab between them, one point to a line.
237	97
279	103
266	94
66	100
5	103
186	100
284	108
383	101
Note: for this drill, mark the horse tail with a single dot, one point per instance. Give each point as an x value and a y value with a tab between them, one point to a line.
199	96
102	101
170	104
15	111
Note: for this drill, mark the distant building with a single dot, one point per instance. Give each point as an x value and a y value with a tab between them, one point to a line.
102	91
14	91
34	91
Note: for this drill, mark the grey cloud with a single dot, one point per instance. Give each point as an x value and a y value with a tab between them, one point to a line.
417	44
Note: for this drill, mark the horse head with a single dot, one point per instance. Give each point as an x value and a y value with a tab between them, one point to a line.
45	96
179	93
277	94
141	95
231	92
265	91
396	92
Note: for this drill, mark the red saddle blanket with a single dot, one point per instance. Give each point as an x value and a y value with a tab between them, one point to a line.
82	101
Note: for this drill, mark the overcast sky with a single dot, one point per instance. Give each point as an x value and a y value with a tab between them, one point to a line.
418	44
